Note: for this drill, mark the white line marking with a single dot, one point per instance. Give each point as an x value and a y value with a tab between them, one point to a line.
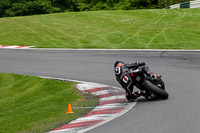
139	50
93	117
100	92
112	98
110	106
151	50
69	130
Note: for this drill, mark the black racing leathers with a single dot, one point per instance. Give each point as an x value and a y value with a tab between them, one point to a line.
123	77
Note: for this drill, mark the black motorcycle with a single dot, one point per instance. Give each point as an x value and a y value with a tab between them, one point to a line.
153	85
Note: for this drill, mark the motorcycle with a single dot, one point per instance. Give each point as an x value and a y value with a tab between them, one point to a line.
153	85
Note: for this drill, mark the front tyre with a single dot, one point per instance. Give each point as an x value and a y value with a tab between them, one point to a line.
155	90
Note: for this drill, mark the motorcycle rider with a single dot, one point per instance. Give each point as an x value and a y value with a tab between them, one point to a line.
123	77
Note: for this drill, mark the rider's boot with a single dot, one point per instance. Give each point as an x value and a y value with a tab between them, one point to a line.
141	93
131	98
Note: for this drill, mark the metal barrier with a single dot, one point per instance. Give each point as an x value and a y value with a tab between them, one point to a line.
190	4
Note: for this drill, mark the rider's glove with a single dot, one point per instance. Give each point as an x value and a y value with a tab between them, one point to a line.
140	63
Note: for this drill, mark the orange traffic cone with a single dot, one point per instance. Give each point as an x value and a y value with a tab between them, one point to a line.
69	109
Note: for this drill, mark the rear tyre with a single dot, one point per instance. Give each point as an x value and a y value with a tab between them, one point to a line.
160	93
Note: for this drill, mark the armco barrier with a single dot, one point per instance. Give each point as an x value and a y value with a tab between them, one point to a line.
195	4
190	4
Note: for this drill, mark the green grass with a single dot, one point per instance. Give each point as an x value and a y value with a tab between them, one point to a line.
155	28
32	104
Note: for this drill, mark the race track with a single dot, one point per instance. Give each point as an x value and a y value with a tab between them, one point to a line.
180	71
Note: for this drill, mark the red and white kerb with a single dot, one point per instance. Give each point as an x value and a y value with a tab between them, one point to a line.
15	47
112	101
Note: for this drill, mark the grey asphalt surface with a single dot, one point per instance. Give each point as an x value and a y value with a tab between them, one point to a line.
180	71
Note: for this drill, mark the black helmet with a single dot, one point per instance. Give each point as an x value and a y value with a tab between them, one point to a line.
118	62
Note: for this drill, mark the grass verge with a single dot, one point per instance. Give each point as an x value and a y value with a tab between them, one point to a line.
32	104
140	29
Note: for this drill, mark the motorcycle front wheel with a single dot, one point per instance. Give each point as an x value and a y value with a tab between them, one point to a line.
159	92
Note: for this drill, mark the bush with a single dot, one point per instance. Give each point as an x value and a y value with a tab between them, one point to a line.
123	6
30	7
25	7
100	6
83	7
